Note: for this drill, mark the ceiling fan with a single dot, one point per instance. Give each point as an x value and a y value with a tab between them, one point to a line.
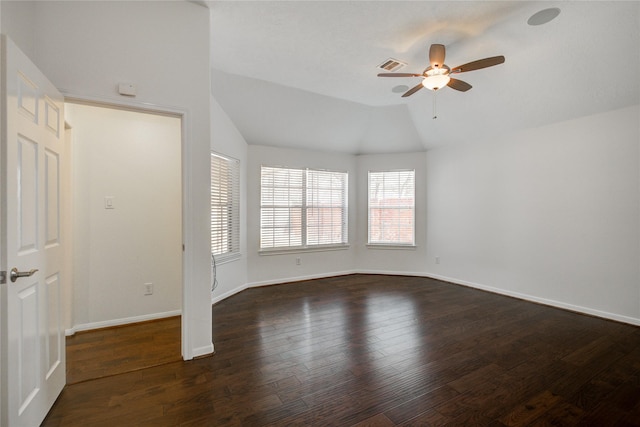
438	74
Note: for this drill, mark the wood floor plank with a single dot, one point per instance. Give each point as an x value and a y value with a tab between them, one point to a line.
379	420
361	350
409	409
111	351
531	410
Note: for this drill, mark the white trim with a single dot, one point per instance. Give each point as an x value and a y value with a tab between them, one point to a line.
396	273
391	246
120	322
232	292
299	278
301	249
203	351
521	296
281	281
188	233
384	174
122	103
544	301
518	295
299	201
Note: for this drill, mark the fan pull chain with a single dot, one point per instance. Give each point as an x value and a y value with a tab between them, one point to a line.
435	114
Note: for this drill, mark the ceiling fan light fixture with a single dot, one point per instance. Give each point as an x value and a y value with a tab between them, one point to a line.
436	81
437	75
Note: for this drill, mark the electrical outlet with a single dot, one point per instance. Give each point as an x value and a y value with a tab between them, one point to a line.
437	260
298	261
148	288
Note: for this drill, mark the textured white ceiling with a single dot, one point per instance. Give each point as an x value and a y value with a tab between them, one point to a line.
303	73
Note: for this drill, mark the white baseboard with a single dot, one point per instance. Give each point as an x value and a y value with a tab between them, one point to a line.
209	349
393	273
525	297
203	351
217	299
300	278
280	281
119	322
544	301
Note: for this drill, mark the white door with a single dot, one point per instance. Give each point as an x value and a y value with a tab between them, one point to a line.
33	352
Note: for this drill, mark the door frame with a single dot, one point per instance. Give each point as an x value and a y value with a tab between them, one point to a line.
187	211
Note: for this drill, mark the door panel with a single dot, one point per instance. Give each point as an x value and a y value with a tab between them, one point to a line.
33	374
28	346
52	116
52	198
54	336
27	97
27	163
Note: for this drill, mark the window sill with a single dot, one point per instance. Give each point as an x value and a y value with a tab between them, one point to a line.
392	247
283	251
223	259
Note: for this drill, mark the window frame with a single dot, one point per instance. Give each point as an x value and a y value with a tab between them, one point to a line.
305	205
381	244
230	219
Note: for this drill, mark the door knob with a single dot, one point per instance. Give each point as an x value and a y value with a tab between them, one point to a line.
15	274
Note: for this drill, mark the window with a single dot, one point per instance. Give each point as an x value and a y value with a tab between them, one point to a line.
225	207
302	208
392	207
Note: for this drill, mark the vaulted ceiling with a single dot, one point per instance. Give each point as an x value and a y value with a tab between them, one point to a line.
303	74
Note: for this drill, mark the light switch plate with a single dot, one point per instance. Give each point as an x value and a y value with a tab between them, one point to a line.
108	202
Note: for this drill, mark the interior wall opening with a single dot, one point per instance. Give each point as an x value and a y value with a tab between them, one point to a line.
126	216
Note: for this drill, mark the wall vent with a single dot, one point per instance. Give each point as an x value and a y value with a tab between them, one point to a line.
391	65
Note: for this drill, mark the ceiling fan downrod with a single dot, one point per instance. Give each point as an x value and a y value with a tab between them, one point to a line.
435	115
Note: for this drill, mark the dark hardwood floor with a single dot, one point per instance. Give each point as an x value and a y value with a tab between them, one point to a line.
367	350
111	351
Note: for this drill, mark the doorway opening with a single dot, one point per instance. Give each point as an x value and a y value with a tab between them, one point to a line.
126	218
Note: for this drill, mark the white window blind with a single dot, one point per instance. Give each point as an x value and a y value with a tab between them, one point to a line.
225	207
302	208
392	207
326	207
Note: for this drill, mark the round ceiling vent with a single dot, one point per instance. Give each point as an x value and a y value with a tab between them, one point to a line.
544	16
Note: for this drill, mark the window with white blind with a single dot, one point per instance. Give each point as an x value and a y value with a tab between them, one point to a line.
392	208
225	207
302	208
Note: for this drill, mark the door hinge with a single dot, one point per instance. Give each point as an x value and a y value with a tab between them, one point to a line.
3	277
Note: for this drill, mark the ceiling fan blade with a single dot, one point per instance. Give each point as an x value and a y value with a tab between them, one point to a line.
479	64
399	75
459	85
412	90
436	55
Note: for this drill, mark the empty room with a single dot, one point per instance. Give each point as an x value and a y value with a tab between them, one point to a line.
320	213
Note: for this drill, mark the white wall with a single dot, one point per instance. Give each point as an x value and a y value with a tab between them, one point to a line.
392	260
551	214
13	16
265	269
263	110
87	48
226	139
134	158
